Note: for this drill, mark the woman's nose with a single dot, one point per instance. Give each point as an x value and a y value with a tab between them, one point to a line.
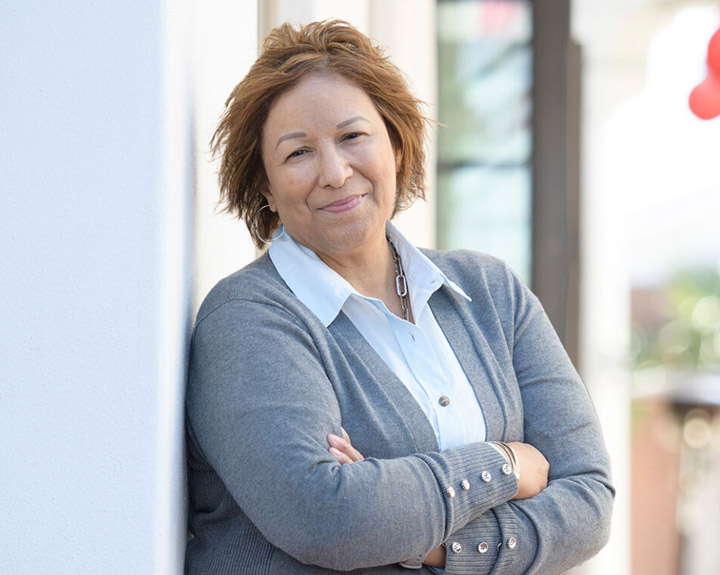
334	168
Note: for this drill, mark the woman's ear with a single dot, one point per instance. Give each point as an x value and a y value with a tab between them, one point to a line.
398	158
267	192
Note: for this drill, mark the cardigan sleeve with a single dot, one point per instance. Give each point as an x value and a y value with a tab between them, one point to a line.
569	521
571	516
260	405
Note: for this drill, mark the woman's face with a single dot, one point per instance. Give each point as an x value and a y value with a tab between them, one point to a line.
330	165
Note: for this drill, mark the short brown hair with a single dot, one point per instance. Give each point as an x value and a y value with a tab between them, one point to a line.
287	57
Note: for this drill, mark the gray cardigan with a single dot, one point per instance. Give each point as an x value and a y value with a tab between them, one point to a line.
268	381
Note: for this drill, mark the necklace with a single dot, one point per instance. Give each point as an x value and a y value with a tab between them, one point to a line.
400	281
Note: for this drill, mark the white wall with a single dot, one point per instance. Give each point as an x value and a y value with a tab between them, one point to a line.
95	176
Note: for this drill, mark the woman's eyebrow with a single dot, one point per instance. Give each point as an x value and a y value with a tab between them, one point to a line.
290	136
341	125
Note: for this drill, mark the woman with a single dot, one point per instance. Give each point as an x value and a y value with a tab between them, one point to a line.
475	447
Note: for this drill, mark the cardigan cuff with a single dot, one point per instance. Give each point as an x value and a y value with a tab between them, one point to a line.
474	549
497	542
473	479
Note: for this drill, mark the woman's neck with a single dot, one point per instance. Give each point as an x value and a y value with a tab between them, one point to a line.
368	270
371	272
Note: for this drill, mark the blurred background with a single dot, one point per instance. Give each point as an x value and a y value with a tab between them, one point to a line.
566	146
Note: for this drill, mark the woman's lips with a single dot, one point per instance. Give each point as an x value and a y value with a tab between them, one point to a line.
344	205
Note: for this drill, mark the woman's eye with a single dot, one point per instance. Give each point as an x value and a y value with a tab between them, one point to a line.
296	154
352	135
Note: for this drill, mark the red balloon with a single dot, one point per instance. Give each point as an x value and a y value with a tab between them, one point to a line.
713	57
705	98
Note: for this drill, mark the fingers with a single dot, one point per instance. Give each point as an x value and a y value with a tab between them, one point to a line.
341	457
342	450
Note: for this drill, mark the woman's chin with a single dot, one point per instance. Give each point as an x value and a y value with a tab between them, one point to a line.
351	238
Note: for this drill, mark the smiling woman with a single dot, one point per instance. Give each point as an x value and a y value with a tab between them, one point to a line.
475	447
288	57
331	171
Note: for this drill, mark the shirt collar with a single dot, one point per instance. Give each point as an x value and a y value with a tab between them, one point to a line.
423	276
324	291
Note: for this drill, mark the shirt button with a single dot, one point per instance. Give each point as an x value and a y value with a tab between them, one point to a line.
506	469
456	547
465	484
483	548
512	543
450	492
486	477
444	400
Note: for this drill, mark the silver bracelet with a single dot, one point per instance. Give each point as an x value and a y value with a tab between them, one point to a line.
510	455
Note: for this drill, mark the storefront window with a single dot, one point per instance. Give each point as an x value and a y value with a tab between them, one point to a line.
485	145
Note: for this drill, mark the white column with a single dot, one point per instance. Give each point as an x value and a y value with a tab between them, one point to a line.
96	180
613	70
407	29
304	11
226	41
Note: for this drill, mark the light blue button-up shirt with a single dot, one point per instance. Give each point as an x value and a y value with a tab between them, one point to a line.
419	354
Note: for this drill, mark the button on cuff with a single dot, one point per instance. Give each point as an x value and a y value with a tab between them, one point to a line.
510	544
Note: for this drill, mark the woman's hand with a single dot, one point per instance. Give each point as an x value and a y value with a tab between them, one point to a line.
534	470
436	557
341	449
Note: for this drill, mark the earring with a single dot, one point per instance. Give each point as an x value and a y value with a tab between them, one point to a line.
257	233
